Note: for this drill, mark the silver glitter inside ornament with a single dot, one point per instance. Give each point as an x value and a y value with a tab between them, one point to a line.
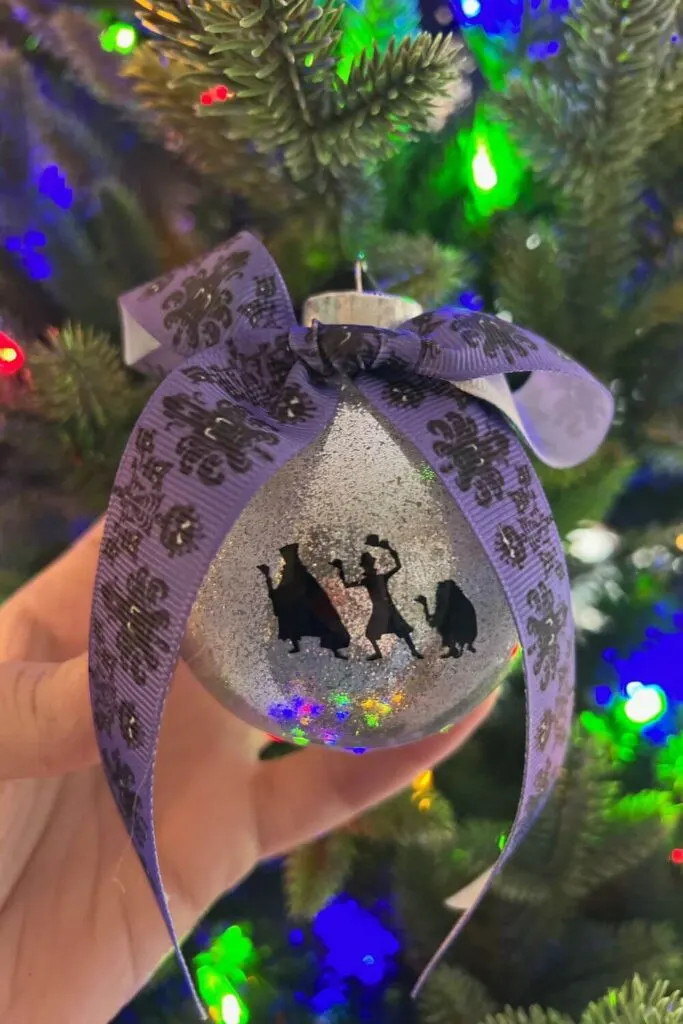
351	603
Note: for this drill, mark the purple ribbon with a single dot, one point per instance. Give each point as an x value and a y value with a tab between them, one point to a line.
245	390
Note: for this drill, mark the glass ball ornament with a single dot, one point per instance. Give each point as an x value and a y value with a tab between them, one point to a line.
351	603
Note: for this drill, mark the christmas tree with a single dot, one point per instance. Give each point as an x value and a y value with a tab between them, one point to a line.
528	165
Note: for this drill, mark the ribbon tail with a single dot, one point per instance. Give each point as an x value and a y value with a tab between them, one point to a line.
232	290
485	469
562	411
194	461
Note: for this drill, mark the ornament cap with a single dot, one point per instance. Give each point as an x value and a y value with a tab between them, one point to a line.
358	307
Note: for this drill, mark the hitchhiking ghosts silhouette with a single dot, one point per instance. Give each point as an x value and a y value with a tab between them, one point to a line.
385	617
302	607
454	618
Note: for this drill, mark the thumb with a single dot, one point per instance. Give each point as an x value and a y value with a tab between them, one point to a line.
46	727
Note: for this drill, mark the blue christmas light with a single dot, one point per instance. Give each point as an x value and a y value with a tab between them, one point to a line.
25	249
52	183
602	696
328	997
358	945
470	300
543	50
504	17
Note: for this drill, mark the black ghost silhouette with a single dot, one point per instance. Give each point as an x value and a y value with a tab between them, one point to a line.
385	617
302	607
454	618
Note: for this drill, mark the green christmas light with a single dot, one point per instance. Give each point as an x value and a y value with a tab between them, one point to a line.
221	972
494	170
233	1010
119	37
483	172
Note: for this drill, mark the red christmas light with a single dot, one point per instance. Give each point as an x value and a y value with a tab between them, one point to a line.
677	856
218	94
11	356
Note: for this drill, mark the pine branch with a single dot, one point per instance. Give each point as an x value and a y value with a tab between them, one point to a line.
16	84
388	100
452	996
477	848
375	21
316	872
535	1015
669	764
32	135
637	1003
175	23
529	280
403	819
72	36
546	124
667	112
598	957
26	309
170	101
588	492
587	835
417	266
85	394
130	249
429	867
280	60
586	131
615	55
422	881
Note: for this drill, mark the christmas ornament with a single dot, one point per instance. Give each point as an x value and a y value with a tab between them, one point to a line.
355	545
336	521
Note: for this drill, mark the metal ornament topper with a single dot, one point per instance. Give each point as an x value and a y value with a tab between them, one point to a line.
245	389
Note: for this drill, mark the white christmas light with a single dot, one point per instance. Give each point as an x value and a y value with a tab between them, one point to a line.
231	1011
592	544
647	704
483	171
642	558
470	8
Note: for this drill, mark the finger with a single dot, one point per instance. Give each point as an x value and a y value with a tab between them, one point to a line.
60	596
306	794
46	726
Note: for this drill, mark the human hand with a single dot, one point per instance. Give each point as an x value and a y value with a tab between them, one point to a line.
80	932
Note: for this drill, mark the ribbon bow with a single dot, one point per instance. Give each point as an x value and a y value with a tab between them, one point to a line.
245	390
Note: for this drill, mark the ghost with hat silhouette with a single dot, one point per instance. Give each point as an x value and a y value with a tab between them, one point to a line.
302	607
